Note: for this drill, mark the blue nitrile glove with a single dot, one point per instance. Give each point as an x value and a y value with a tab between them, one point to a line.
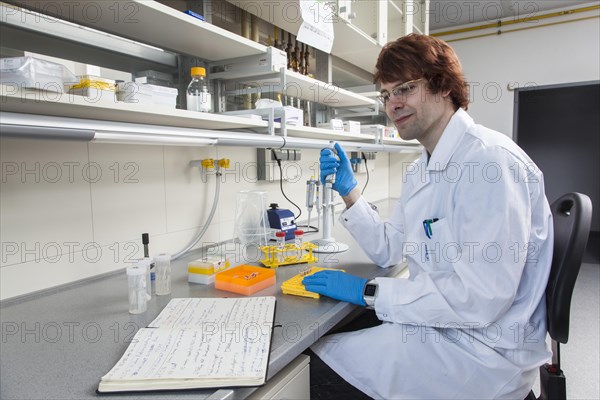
338	285
330	164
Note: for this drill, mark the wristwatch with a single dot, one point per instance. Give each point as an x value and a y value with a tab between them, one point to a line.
370	293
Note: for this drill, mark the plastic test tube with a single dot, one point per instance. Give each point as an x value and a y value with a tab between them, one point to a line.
136	282
162	264
145	263
280	246
298	239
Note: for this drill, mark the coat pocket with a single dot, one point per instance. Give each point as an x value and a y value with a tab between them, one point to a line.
439	250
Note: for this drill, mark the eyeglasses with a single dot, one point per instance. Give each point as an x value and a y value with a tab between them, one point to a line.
401	91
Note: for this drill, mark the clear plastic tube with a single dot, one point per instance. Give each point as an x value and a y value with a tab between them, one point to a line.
146	263
298	240
136	282
280	246
162	264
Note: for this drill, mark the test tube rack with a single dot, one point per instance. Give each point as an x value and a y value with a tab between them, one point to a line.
290	252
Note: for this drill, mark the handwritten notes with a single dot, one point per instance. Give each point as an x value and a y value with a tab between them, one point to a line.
199	342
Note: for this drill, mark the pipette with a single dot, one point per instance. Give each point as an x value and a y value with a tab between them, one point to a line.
319	202
330	193
310	196
327	244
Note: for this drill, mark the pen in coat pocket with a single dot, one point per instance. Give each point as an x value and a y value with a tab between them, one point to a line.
427	226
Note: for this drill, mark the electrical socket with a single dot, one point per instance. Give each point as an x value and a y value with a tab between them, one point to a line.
369	155
285	154
358	164
267	167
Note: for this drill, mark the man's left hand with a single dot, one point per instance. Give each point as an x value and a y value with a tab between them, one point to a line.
338	285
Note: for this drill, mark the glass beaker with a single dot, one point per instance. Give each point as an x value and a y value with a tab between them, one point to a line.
251	222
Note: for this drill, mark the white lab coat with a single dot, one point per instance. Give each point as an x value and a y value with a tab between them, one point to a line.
470	320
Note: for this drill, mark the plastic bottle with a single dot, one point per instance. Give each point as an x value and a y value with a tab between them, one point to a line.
145	263
198	96
163	274
136	282
298	239
280	246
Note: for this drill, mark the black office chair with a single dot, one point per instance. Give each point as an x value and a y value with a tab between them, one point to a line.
572	219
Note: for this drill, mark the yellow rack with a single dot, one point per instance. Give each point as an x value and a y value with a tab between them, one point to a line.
290	252
295	287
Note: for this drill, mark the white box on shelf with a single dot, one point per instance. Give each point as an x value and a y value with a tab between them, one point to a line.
377	130
30	72
164	96
272	61
293	116
132	92
352	126
333	124
94	95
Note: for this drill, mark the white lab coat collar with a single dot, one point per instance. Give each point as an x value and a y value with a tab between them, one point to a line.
446	146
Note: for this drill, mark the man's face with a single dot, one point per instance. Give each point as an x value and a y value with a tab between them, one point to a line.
415	111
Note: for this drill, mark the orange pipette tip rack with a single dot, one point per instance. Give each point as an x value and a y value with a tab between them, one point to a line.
245	279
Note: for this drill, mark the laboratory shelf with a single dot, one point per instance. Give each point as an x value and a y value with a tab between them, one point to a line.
357	47
413	142
296	85
32	101
350	43
327	134
324	93
33	32
154	23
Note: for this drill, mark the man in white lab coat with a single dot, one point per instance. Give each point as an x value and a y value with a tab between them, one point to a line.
475	228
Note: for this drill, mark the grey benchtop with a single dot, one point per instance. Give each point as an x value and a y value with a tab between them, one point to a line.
57	345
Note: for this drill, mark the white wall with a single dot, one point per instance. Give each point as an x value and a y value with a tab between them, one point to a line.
73	210
556	54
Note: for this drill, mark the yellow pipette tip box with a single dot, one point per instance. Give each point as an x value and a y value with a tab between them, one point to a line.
203	270
245	279
295	287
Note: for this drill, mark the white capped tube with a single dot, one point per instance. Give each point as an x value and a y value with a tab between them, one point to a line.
162	263
136	282
146	263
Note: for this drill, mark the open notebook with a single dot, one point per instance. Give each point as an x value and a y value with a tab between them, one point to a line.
198	343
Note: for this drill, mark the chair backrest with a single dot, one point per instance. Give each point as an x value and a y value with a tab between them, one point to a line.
572	215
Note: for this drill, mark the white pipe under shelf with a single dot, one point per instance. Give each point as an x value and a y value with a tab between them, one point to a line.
17	125
150	139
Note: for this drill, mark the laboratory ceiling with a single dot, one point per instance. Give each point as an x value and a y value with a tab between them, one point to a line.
446	14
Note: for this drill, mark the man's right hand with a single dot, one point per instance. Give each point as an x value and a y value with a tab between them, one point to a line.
339	165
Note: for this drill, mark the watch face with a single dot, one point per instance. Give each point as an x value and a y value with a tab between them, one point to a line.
370	290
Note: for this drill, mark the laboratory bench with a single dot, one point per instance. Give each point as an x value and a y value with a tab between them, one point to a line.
59	343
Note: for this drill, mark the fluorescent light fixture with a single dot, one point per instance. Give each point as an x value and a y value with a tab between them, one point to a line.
151	139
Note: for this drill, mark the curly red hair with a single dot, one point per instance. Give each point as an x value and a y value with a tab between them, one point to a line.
420	56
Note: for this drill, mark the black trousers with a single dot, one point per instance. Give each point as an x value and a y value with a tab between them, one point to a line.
325	383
